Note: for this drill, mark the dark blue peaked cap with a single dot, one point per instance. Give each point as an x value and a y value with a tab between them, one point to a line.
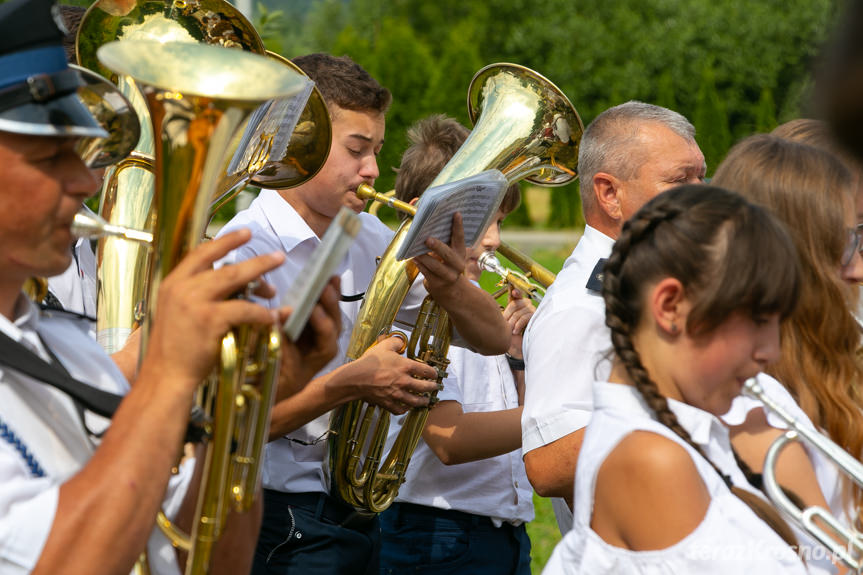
38	90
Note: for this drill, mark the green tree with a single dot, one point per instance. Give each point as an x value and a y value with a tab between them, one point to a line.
711	120
765	114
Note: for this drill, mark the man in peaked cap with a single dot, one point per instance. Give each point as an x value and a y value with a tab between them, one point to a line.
37	88
78	496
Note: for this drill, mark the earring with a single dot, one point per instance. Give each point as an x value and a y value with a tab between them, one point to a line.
673	328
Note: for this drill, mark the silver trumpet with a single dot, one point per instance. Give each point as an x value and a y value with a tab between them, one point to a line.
91	226
850	549
488	261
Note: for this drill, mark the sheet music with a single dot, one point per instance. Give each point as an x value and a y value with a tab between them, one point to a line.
269	130
476	198
307	288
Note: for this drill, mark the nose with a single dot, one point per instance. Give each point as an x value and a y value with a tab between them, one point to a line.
767	349
491	239
853	272
369	168
77	178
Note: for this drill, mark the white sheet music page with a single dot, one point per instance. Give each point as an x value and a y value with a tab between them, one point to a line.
476	198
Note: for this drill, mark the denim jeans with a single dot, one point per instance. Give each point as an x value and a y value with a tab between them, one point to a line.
313	534
420	539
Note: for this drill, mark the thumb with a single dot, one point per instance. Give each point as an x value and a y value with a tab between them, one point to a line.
393	343
515	294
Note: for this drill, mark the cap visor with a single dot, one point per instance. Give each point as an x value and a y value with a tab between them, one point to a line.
65	116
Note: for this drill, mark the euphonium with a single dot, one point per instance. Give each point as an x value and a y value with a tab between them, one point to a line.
850	549
199	98
526	128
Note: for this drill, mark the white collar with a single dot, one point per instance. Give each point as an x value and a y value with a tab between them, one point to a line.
285	221
626	398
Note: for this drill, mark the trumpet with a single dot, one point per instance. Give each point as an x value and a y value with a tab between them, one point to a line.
850	550
510	278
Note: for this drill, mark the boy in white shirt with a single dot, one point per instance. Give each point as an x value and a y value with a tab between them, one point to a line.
470	517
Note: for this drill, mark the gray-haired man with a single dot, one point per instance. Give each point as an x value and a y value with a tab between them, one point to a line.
629	154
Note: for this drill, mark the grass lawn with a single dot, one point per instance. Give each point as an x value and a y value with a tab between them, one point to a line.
543	533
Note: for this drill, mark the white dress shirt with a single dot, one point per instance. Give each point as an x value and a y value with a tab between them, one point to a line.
75	288
47	424
730	538
290	466
564	346
496	487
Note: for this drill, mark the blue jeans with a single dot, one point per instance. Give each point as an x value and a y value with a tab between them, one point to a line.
420	539
313	534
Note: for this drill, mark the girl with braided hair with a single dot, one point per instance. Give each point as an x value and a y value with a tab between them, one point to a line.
694	290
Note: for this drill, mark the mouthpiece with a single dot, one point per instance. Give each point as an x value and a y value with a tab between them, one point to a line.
89	225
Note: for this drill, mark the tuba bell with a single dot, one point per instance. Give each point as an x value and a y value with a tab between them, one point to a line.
526	128
199	98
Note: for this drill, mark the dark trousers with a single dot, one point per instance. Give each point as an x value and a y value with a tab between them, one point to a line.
431	541
313	534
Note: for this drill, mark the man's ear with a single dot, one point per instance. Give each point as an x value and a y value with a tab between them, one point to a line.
606	189
668	305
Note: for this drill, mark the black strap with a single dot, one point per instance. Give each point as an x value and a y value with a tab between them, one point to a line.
594	282
40	88
19	357
355	297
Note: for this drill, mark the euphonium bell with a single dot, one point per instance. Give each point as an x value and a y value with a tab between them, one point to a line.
526	128
199	98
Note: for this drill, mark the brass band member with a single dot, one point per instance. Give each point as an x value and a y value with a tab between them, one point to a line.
73	499
814	194
305	529
694	292
628	154
466	476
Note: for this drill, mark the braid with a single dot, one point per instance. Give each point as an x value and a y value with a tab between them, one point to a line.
621	318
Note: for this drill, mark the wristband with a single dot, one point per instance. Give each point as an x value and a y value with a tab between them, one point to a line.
515	364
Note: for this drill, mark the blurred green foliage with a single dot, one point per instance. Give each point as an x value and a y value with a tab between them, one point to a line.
733	67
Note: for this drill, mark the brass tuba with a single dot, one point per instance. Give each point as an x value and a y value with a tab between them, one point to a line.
526	128
275	155
127	192
199	98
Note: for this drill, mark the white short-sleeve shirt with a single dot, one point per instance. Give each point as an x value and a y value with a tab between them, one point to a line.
564	347
564	352
44	423
496	487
